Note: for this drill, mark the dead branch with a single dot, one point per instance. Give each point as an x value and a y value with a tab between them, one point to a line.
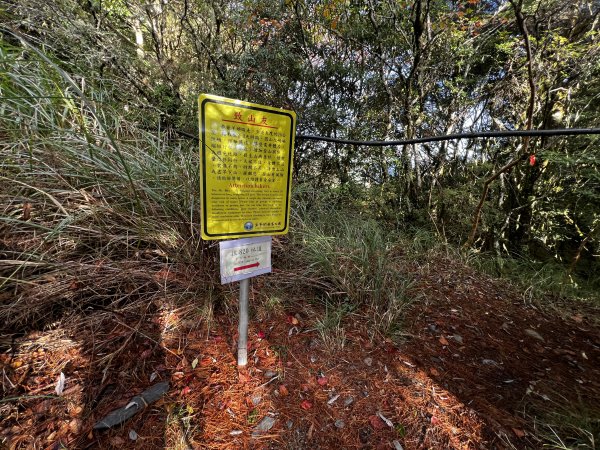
520	18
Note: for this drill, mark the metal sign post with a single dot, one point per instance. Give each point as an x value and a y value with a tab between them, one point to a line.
242	259
242	356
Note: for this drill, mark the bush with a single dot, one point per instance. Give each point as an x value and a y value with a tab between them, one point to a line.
352	257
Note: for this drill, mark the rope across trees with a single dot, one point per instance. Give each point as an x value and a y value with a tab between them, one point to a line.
449	137
443	137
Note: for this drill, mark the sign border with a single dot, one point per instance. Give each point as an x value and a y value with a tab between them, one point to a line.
203	204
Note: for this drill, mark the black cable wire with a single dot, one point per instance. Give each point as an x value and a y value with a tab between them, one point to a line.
186	134
448	137
445	137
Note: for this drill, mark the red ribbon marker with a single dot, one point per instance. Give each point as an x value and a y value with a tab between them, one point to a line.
249	266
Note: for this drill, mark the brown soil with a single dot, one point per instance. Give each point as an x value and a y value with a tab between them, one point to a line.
476	368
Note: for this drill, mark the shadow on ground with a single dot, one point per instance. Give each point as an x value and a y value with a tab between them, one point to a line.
477	368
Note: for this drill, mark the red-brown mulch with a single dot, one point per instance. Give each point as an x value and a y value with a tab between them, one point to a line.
474	366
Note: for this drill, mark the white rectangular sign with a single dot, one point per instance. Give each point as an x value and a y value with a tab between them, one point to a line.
245	258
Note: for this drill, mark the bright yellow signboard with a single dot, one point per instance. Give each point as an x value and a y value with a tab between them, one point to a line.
246	153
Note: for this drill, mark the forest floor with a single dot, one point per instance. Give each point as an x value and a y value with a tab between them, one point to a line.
475	367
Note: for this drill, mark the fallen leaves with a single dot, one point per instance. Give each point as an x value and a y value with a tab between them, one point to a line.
264	425
185	391
244	377
332	400
534	334
387	421
458	338
519	433
374	380
75	426
76	411
376	422
306	405
177	376
27	211
60	384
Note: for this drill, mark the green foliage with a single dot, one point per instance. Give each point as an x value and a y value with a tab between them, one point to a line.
101	101
367	71
330	326
354	258
61	140
541	282
569	426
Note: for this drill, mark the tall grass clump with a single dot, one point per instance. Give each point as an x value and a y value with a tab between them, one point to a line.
352	256
540	281
83	189
568	425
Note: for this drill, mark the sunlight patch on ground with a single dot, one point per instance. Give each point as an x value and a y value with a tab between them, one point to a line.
32	375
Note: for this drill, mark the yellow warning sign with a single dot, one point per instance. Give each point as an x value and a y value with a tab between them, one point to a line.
246	153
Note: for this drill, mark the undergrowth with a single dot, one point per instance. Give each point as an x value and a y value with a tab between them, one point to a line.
542	283
353	258
91	205
569	426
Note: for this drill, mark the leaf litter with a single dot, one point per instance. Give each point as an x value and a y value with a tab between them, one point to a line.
467	392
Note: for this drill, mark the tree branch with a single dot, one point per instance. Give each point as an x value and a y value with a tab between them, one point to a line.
520	19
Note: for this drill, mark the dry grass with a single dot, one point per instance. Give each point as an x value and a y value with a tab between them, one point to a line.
95	213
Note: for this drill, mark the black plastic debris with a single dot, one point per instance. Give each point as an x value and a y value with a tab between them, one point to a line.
136	404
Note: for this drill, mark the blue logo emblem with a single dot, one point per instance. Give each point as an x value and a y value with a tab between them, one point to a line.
248	226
